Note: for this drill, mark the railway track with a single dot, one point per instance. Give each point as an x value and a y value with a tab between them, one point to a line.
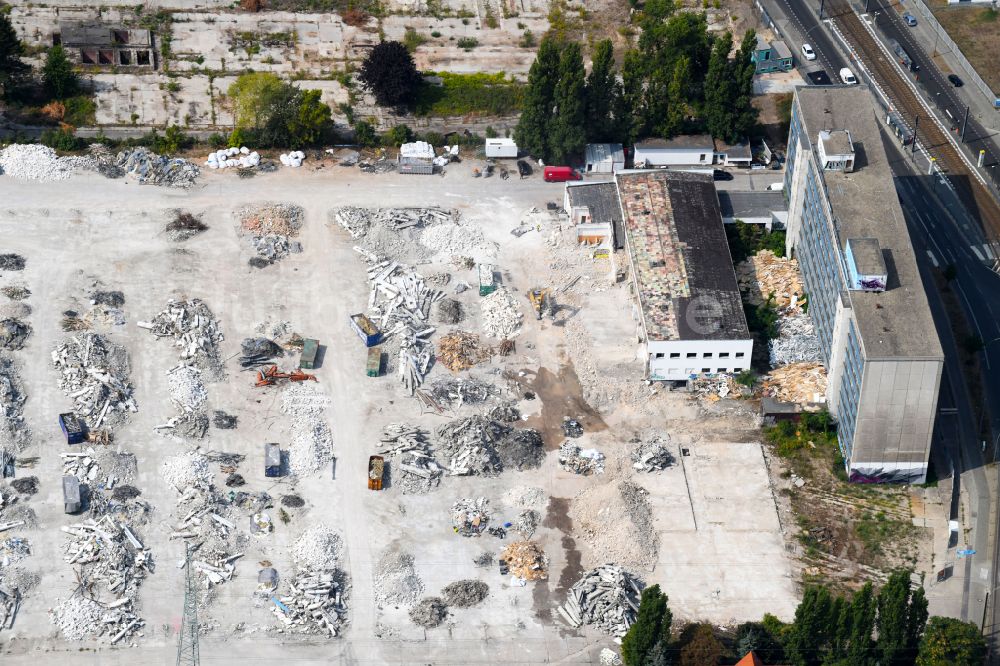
980	202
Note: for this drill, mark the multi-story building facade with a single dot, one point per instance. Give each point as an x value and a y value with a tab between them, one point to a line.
876	333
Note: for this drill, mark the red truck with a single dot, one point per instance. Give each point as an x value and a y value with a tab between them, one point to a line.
560	174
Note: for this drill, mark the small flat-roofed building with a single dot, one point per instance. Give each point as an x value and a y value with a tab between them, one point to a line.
103	45
759	207
689	150
774	56
604	158
594	209
737	154
691	314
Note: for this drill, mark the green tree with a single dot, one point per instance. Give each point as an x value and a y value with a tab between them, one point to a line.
719	89
601	93
861	624
702	648
568	133
756	637
677	99
12	69
808	636
533	128
743	70
652	627
391	75
951	642
364	134
900	621
311	120
398	135
252	97
58	76
629	110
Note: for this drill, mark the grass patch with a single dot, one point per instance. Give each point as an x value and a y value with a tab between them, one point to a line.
974	30
413	39
467	43
813	430
462	94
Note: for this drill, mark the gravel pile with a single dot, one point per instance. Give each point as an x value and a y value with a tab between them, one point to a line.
451	240
429	613
29	161
311	447
77	618
396	581
501	314
318	548
465	593
525	497
449	311
616	520
186	388
11	262
186	469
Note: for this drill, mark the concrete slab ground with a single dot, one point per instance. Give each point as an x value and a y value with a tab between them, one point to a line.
721	550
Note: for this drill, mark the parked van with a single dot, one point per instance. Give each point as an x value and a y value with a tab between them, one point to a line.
847	76
560	174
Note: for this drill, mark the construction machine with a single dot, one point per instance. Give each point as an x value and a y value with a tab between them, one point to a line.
271	376
539	300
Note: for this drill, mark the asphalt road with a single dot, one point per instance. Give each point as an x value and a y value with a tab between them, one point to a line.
939	239
804	16
938	89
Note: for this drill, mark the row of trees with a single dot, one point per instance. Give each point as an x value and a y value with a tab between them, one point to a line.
678	79
885	628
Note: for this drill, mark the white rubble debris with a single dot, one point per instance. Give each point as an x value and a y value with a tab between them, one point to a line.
652	454
396	581
241	157
311	446
316	603
607	596
796	342
186	388
574	459
186	470
318	548
501	314
192	326
417	469
33	162
94	373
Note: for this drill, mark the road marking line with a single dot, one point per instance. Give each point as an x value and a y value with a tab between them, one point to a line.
975	251
933	258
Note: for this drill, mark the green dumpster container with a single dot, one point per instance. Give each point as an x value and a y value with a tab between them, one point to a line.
307	361
374	365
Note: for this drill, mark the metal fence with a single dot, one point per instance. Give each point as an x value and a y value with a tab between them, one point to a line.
970	71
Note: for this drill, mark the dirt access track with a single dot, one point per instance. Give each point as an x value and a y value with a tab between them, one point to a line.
721	554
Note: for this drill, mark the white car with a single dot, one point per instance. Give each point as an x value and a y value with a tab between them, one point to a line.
847	76
808	52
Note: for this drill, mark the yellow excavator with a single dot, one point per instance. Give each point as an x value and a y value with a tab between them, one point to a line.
539	300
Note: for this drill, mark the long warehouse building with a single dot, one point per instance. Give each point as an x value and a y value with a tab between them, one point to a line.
866	299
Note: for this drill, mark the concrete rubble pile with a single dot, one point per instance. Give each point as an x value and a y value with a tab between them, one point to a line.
79	618
34	162
478	445
319	547
607	597
796	342
187	391
581	461
270	228
215	565
192	326
524	560
430	612
395	580
14	432
186	470
95	374
796	382
152	169
501	314
192	425
419	471
109	557
465	593
315	603
460	351
652	454
13	334
470	517
13	550
311	446
764	274
609	657
358	221
455	392
526	523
